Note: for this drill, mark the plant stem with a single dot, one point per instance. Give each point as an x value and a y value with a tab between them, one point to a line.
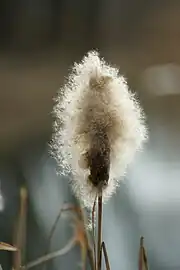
105	256
99	240
143	263
20	232
51	233
93	231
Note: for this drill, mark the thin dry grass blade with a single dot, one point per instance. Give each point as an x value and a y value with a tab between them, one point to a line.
99	238
54	226
79	237
91	258
52	233
20	231
51	255
143	263
78	211
5	246
105	256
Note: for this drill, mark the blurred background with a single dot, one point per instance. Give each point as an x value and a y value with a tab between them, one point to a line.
39	41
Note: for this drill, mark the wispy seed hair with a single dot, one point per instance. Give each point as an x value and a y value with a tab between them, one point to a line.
96	98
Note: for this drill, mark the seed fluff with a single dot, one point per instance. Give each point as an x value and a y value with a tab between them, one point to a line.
99	125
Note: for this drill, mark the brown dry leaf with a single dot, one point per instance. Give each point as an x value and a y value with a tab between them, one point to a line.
5	246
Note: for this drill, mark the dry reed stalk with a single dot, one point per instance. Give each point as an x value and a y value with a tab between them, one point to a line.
99	237
143	263
20	231
105	256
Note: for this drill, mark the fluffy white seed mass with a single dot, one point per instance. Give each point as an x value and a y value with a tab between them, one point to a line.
96	98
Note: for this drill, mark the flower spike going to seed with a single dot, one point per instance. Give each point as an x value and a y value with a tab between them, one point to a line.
98	127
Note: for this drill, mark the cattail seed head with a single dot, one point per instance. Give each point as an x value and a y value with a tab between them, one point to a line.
98	128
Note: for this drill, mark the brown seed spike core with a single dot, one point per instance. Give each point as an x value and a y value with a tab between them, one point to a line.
99	161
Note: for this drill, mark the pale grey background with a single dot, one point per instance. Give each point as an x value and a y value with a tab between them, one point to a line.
39	41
